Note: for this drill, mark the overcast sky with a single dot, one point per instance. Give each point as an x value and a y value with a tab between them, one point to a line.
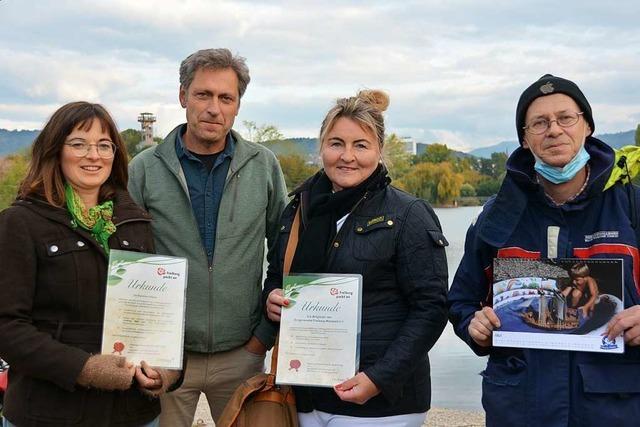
454	69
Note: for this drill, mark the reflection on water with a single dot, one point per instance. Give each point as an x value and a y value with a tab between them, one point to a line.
455	382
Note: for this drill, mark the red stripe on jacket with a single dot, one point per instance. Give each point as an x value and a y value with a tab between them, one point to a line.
614	249
516	252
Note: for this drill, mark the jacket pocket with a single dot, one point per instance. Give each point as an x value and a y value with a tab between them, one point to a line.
60	247
374	237
611	390
48	402
60	263
130	242
438	238
438	257
504	391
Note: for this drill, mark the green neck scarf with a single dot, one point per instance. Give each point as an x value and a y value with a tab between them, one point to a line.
97	220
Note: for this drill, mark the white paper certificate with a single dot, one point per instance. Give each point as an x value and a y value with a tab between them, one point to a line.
320	329
144	308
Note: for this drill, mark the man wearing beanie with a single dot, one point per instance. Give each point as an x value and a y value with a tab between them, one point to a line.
552	204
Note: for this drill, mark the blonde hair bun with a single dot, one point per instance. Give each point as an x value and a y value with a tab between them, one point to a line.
377	98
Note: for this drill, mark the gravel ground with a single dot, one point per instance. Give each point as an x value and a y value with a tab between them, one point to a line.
436	417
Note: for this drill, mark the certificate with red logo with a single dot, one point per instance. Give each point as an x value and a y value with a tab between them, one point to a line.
320	329
144	308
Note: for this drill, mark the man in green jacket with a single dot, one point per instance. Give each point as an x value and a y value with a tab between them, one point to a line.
214	197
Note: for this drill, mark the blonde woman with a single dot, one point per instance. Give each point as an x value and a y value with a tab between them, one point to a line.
353	221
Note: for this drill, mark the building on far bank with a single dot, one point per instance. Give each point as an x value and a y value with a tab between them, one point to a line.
410	145
146	122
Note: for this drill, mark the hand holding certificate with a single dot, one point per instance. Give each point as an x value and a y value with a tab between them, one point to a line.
319	329
144	308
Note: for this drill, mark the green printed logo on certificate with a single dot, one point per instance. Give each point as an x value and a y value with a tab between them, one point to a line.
320	329
144	308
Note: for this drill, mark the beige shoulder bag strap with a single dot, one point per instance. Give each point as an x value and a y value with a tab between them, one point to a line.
292	243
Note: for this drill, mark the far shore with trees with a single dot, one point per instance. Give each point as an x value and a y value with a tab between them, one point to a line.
439	175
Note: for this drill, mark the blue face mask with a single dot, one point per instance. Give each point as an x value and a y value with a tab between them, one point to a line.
561	175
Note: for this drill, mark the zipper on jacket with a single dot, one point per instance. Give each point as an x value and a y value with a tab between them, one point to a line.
210	326
302	215
234	182
232	179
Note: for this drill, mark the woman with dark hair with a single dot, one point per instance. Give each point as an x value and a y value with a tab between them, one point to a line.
353	221
72	208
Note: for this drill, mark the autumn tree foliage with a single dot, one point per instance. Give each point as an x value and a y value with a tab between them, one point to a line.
12	171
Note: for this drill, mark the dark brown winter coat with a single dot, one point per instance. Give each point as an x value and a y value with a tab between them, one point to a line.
52	294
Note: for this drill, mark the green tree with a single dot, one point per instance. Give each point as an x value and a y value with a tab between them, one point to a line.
467	190
488	187
638	135
420	181
464	164
493	167
295	169
500	164
434	182
13	171
132	139
472	177
396	157
263	133
435	153
449	184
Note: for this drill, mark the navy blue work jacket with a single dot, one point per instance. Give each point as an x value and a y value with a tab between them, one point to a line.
551	388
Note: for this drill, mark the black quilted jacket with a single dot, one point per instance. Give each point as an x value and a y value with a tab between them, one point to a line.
395	241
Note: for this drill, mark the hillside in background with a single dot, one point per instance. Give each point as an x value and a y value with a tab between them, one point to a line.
616	140
501	147
305	147
620	139
15	140
12	141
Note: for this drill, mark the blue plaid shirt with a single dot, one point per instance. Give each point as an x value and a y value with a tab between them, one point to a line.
205	188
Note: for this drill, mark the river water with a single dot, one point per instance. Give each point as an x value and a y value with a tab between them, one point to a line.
455	379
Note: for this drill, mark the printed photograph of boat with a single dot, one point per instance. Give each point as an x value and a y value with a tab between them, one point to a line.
561	296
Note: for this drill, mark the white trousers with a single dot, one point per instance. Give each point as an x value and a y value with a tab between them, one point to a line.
323	419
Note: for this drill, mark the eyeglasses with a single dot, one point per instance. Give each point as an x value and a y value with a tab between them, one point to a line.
541	124
106	150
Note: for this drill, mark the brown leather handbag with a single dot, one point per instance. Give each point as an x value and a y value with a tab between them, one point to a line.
258	401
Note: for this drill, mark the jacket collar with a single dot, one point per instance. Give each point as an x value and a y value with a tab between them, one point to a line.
520	166
182	152
301	193
243	152
124	209
520	185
